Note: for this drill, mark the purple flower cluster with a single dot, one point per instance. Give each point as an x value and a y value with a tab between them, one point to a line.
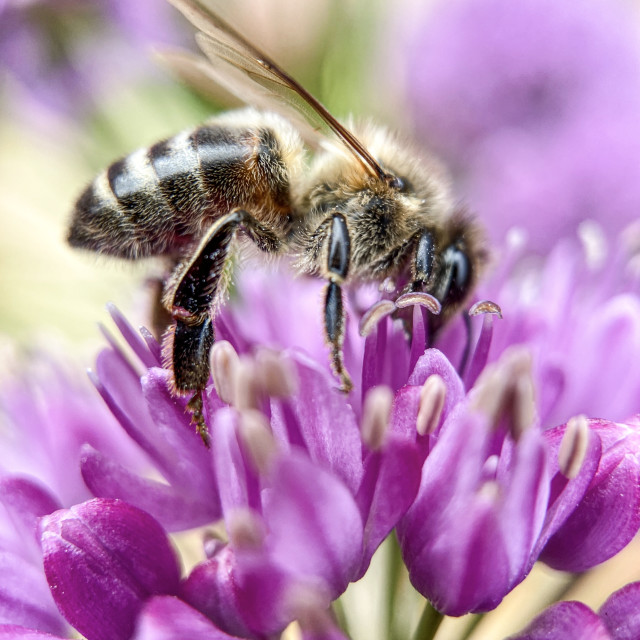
464	464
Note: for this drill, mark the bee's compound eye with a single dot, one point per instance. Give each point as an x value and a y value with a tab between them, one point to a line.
400	184
458	269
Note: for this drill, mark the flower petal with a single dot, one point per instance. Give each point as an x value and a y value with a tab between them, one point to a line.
565	620
175	510
168	618
243	600
314	524
621	613
606	519
390	484
25	598
103	559
26	500
467	538
13	632
320	419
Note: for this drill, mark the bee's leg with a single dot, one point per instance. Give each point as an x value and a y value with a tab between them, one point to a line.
191	298
422	265
338	257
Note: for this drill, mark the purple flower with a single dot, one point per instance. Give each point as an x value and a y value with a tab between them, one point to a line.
61	56
617	619
578	314
351	495
49	414
533	104
103	559
48	417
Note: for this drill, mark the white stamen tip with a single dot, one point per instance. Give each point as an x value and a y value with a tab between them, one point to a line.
484	307
594	243
245	385
490	491
375	416
258	439
224	361
310	606
573	447
423	299
432	397
246	529
276	375
374	314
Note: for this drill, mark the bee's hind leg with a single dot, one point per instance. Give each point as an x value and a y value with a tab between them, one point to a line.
191	297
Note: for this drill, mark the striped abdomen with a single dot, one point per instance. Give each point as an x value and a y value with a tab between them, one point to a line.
156	200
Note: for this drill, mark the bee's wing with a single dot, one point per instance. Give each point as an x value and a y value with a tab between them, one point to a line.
212	78
250	74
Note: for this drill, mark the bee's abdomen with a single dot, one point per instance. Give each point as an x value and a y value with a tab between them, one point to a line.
156	200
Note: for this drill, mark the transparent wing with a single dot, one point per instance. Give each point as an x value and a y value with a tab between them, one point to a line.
214	78
251	75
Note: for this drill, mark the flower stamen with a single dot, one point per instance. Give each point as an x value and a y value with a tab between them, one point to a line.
573	447
432	397
224	361
374	314
258	439
376	414
246	530
505	390
275	375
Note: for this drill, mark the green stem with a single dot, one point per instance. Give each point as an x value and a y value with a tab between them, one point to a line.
429	622
340	616
394	571
473	623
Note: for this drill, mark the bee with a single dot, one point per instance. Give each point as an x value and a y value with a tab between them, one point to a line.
368	206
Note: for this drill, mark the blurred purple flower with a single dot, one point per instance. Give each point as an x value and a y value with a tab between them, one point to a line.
534	105
48	415
617	619
47	418
578	314
62	56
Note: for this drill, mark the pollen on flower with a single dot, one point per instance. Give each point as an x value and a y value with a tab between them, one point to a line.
432	397
573	447
257	437
246	530
375	418
224	361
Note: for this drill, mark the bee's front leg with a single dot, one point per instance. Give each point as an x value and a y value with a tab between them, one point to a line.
191	297
337	268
